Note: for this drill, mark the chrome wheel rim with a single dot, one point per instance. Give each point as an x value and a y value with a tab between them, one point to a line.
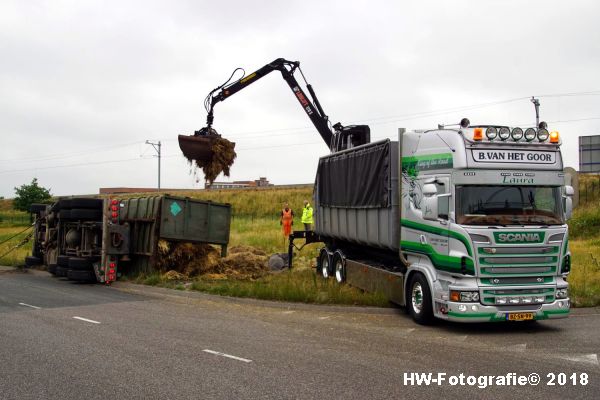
338	272
417	298
325	268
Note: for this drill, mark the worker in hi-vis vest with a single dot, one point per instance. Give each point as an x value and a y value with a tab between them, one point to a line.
287	220
307	216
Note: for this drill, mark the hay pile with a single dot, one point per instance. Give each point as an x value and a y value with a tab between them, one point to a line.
223	155
184	260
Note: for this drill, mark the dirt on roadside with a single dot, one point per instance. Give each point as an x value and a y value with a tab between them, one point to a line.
180	261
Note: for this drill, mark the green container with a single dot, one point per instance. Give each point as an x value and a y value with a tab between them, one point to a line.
175	219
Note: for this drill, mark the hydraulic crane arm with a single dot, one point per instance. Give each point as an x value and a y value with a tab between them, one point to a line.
287	68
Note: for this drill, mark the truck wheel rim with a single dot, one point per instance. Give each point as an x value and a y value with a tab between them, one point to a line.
325	268
338	272
417	298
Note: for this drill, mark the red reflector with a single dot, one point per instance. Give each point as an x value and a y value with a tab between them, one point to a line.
114	208
114	215
112	264
114	202
111	272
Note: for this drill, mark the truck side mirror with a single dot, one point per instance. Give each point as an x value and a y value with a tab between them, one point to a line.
430	202
568	201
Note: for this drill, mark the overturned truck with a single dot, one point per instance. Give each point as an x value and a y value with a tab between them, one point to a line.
96	240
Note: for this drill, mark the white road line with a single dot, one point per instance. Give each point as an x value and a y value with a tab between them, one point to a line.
86	320
582	358
29	305
217	353
288	312
327	317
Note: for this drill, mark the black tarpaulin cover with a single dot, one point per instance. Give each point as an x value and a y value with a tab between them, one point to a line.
356	179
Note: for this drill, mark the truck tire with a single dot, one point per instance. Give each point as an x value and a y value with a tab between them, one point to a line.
61	271
64	215
95	204
37	208
418	299
80	264
61	205
62	261
81	276
32	261
82	213
52	269
325	264
339	266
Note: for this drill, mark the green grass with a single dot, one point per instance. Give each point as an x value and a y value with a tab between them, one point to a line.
584	279
16	257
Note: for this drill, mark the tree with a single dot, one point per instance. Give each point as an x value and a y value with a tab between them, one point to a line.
26	195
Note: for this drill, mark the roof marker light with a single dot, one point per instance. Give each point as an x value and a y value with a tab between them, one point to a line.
554	136
478	134
491	133
517	134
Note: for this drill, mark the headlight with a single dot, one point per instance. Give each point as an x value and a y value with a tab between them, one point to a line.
562	293
543	135
529	134
504	133
539	299
491	133
517	134
501	300
514	300
526	300
465	297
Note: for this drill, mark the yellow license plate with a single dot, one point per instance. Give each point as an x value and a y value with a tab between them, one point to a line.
522	316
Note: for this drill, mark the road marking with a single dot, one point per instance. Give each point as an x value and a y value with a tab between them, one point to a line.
217	353
288	312
329	316
582	358
29	305
86	320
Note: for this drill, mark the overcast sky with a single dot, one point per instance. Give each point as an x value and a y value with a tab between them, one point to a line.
85	83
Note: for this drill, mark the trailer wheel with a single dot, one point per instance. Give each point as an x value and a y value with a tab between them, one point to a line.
52	269
64	214
82	213
61	271
81	276
36	208
339	266
325	264
62	261
418	299
31	261
87	203
80	264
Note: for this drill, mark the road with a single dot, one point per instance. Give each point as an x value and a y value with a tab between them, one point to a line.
62	340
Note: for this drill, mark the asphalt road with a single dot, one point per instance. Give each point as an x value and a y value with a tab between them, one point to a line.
62	340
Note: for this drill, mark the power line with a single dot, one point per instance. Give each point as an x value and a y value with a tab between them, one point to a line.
72	154
74	165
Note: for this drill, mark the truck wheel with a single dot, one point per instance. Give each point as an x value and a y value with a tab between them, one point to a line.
418	300
64	215
80	264
81	276
62	261
61	271
32	261
82	213
37	208
52	268
87	203
325	264
339	266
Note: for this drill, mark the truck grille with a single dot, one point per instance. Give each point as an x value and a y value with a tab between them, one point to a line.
517	262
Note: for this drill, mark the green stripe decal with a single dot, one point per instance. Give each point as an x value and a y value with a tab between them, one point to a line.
471	315
438	231
439	261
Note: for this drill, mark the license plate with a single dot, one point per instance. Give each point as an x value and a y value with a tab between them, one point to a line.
523	316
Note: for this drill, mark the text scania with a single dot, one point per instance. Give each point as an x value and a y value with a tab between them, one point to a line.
519	237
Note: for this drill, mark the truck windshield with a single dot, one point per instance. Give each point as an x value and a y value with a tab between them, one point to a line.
508	205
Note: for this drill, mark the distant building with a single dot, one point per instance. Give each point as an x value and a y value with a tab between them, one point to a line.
260	182
589	153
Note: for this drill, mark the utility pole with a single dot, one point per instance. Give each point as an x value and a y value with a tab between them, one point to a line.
536	103
157	148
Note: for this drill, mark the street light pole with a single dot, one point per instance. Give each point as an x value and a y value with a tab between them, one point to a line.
157	148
